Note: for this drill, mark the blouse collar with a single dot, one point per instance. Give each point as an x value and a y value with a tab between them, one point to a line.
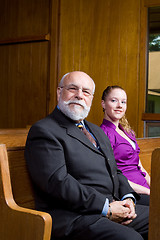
109	124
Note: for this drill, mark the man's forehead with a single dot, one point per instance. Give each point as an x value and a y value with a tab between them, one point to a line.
78	79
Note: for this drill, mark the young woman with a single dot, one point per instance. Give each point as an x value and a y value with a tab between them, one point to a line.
123	141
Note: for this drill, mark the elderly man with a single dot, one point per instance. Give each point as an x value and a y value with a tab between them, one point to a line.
74	173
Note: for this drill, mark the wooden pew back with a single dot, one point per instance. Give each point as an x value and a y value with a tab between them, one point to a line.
147	145
16	193
15	140
154	216
18	219
13	137
20	180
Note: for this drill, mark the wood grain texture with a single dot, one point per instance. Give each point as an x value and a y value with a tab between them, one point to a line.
102	39
16	191
151	3
23	92
151	116
154	219
13	137
53	55
24	61
147	146
24	18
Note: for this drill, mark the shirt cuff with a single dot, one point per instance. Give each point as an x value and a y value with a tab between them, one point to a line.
129	195
105	207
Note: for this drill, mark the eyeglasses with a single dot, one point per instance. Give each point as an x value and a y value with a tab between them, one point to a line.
74	89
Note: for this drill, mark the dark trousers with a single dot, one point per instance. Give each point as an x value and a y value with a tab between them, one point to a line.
104	229
144	200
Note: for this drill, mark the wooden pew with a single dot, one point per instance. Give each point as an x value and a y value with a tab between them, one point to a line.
18	219
147	145
154	216
13	137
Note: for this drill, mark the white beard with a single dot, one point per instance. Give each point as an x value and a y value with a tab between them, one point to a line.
77	113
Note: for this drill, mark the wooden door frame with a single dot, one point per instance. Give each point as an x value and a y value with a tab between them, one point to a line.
145	4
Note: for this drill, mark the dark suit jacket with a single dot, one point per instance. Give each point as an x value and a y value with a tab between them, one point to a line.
72	178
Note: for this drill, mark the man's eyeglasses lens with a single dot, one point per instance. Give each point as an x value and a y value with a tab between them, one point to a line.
75	89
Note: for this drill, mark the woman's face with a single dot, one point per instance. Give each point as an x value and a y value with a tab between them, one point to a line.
115	105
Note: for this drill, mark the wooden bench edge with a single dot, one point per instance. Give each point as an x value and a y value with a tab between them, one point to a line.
8	196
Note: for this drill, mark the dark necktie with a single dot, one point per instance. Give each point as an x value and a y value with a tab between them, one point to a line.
88	135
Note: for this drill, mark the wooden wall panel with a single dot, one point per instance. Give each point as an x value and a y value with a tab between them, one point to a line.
23	92
53	54
23	18
24	61
102	38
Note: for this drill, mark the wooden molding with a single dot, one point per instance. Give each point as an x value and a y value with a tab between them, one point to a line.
143	69
151	116
151	3
45	37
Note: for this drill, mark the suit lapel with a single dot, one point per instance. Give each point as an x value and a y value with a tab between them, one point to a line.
104	144
73	131
79	135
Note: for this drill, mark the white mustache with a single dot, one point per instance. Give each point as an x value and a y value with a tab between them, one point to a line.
76	101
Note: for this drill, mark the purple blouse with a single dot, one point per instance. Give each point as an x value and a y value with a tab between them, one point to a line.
126	156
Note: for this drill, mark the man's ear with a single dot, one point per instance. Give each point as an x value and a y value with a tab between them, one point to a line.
58	93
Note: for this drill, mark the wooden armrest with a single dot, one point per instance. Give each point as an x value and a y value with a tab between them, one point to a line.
17	222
